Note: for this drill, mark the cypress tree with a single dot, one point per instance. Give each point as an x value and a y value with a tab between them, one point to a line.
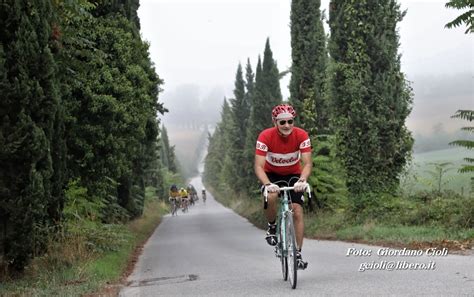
240	112
265	95
112	110
127	8
240	106
28	113
270	82
252	126
370	94
260	99
218	168
137	100
249	84
167	154
96	148
153	167
164	147
309	59
212	162
227	144
248	150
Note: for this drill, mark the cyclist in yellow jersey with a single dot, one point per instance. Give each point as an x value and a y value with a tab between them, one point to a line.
174	192
183	193
184	197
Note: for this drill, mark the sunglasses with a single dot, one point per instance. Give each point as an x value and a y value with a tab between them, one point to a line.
283	122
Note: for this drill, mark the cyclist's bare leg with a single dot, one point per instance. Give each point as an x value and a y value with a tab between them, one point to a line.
299	223
271	210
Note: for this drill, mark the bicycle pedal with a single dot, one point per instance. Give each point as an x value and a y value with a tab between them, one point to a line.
302	265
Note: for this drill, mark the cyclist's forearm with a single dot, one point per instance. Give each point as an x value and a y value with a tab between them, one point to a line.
306	171
261	175
307	166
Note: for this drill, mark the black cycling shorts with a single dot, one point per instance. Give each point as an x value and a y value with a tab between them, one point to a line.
286	181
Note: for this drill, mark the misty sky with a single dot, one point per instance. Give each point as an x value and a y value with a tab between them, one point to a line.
201	43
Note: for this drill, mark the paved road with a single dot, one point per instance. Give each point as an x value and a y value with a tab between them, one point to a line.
211	251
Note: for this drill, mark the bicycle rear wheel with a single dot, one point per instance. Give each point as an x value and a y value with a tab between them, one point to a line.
176	208
291	250
281	250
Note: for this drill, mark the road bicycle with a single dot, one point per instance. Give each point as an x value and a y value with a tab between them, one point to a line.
286	248
174	207
184	204
192	199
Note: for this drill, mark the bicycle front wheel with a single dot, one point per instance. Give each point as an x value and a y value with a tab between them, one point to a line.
173	208
282	251
291	250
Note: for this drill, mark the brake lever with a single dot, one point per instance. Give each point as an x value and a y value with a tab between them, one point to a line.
265	195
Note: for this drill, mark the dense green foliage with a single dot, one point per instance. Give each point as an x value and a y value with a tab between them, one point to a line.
29	114
328	178
369	95
309	97
78	115
113	120
309	59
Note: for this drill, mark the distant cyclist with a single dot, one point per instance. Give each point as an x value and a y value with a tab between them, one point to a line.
174	199
184	199
279	151
203	195
191	193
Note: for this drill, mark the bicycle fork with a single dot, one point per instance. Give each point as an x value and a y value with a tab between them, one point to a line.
280	248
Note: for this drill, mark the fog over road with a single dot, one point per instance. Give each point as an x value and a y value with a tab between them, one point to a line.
211	251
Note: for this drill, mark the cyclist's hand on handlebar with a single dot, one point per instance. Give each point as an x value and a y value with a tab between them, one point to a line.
300	186
272	188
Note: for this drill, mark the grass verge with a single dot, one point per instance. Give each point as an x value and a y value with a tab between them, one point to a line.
336	226
90	273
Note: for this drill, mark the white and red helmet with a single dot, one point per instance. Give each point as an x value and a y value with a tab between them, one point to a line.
283	111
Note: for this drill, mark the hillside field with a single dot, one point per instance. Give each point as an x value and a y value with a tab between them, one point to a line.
419	177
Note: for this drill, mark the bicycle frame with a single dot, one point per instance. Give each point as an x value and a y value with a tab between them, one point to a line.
174	206
283	211
285	218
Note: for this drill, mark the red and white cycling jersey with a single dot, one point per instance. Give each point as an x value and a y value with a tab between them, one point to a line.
283	154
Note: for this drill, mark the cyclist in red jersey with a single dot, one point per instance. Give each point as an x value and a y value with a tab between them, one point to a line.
278	155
